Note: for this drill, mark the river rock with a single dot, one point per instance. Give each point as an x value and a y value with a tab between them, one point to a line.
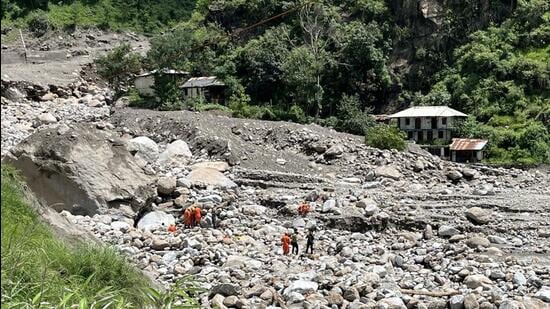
456	302
475	281
479	215
388	171
225	289
166	185
144	148
447	231
204	176
219	166
301	286
543	294
155	220
47	118
175	154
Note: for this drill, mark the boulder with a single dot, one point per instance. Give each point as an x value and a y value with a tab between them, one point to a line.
388	171
534	303
84	170
469	173
301	286
369	205
418	166
334	151
334	298
478	241
519	278
479	215
351	294
205	176
392	303
166	185
470	302
543	294
217	302
225	289
219	166
456	302
120	226
454	175
155	220
447	231
475	281
328	206
47	118
175	154
144	148
237	262
159	244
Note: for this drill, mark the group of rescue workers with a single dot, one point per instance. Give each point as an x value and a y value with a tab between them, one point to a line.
292	240
192	216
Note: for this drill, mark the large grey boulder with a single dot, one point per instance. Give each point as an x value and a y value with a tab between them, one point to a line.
220	166
388	171
82	170
176	153
543	294
301	286
479	215
205	176
144	148
155	220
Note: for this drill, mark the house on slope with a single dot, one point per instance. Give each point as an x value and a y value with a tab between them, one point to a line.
210	88
432	127
145	82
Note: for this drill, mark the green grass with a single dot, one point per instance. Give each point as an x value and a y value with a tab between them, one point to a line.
39	270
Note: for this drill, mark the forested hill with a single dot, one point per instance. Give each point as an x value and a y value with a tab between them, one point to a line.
335	62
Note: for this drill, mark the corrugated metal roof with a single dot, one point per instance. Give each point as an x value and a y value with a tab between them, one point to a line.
165	71
468	144
428	111
205	81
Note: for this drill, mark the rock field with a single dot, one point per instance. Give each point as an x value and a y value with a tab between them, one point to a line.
392	229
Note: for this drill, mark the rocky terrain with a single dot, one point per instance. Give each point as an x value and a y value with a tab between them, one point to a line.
392	229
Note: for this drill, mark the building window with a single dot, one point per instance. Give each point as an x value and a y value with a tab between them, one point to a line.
440	134
407	121
410	134
444	121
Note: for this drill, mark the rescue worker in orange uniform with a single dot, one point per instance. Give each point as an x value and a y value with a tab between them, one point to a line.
197	216
303	209
188	217
285	240
172	228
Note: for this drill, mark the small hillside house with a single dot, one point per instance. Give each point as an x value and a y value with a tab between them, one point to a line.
432	127
467	149
209	88
145	82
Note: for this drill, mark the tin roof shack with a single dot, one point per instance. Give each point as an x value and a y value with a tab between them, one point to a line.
145	82
467	149
209	88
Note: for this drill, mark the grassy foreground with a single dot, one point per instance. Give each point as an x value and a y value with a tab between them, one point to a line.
40	271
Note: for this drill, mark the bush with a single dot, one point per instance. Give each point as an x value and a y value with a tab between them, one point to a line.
352	118
38	23
118	66
385	137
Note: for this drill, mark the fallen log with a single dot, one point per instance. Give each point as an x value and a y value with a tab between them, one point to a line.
431	293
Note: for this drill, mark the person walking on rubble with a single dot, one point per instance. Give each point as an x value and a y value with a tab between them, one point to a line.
309	242
197	215
285	241
294	242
